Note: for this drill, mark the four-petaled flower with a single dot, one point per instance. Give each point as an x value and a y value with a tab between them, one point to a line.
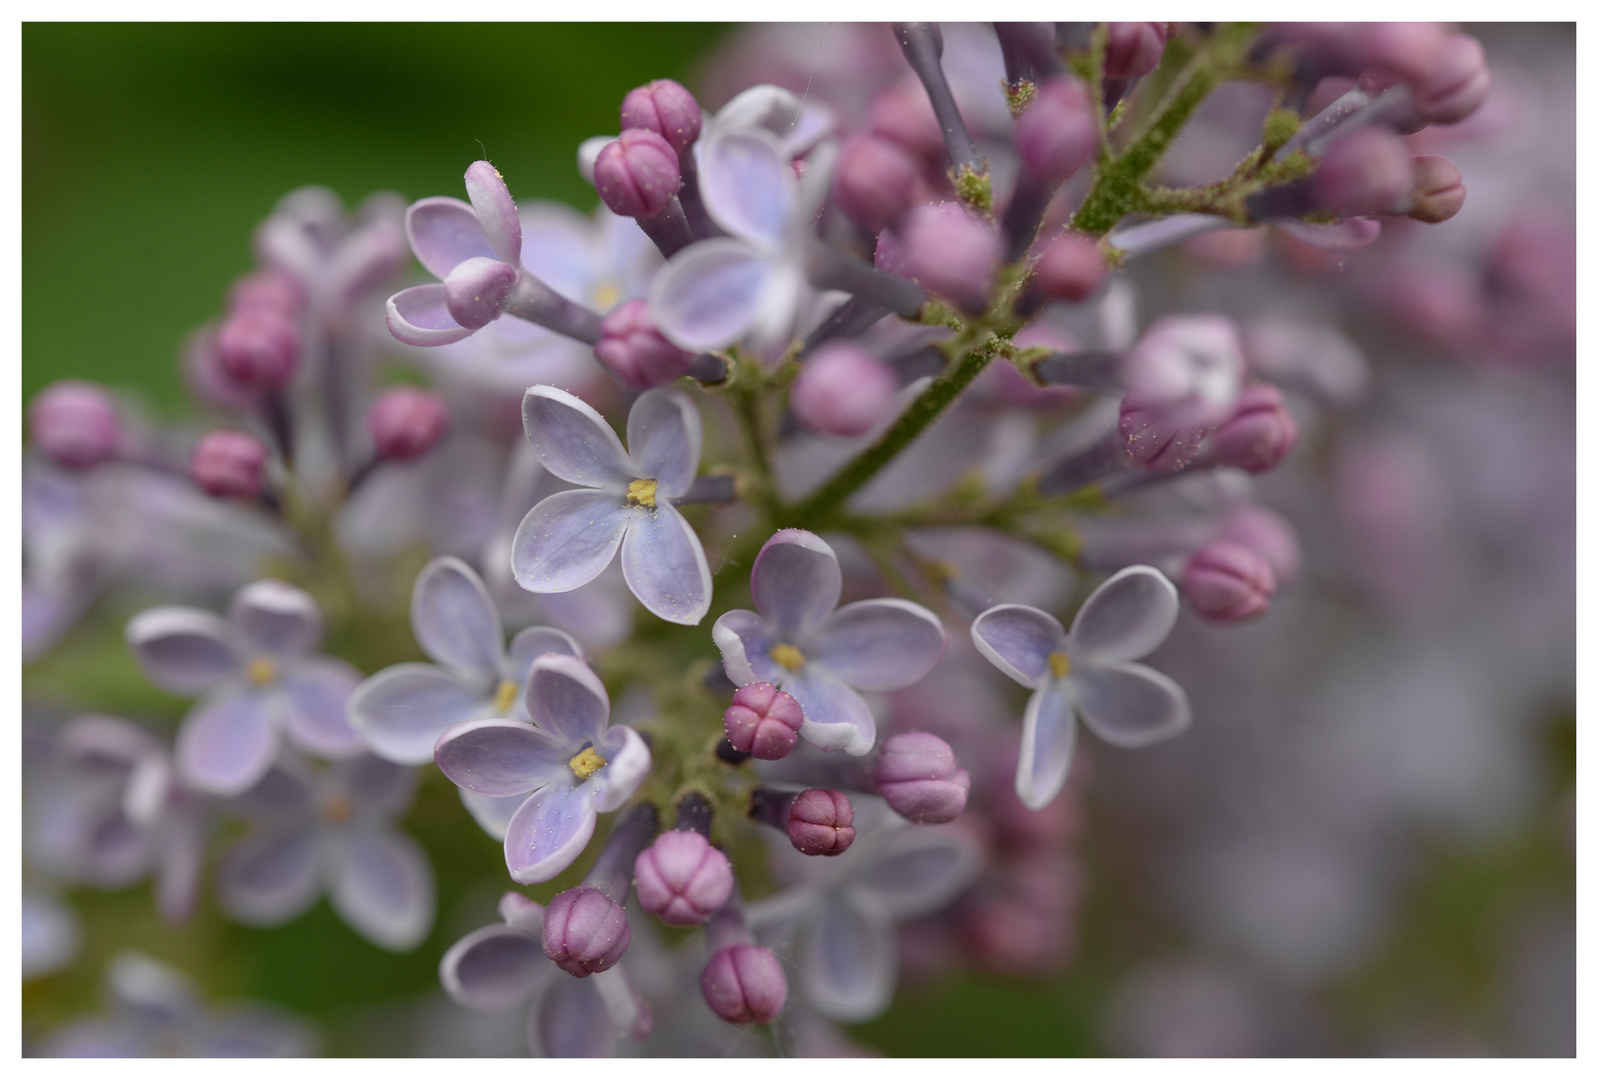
819	655
1088	672
568	538
259	684
569	764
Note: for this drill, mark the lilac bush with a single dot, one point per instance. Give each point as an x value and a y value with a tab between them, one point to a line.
908	389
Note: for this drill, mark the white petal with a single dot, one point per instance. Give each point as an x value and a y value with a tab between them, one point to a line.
1048	738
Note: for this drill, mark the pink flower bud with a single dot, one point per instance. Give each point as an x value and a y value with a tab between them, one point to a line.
406	422
876	180
821	822
635	352
229	464
1134	48
1187	369
258	349
763	721
1227	582
952	252
919	777
585	931
1070	269
1439	190
1456	83
681	879
1407	49
476	290
843	389
1260	432
637	174
273	290
666	108
903	113
744	984
1156	442
75	424
1364	172
1266	534
1056	135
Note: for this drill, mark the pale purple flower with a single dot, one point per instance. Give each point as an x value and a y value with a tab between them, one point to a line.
1188	368
796	641
569	765
259	679
403	710
332	832
335	258
51	934
503	966
624	502
1087	673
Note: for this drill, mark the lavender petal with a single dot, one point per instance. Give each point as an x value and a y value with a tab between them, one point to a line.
664	434
568	539
836	718
628	761
268	878
492	812
567	702
420	316
572	1021
529	644
494	968
276	618
665	566
495	211
1129	705
402	710
500	757
382	886
745	641
1019	640
455	621
795	582
183	650
227	741
1125	618
550	830
1048	739
850	962
748	186
919	871
879	645
573	441
316	694
709	295
444	233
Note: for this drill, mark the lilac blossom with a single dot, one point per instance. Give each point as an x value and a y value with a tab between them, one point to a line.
624	502
823	657
568	766
51	933
331	831
502	967
259	679
1087	673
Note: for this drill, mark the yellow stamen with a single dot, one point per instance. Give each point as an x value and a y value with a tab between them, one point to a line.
788	656
1059	664
606	296
642	492
260	671
336	809
504	695
587	763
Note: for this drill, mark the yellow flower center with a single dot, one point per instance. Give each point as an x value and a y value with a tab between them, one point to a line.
1059	664
788	656
504	695
606	296
337	808
260	671
642	492
587	763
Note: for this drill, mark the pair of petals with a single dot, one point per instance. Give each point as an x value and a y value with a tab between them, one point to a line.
188	650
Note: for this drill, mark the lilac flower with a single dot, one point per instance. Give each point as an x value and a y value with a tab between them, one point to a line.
1087	672
502	966
821	656
837	924
749	283
332	831
259	683
568	538
402	710
334	258
51	933
569	763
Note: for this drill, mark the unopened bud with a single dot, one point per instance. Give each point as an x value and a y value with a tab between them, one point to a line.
229	464
903	114
1456	83
258	349
744	984
1439	190
1056	135
406	422
821	822
476	290
843	389
952	252
919	777
637	174
75	424
1071	269
666	108
633	350
273	290
763	721
1227	582
876	180
681	879
1260	432
1134	48
1364	172
585	931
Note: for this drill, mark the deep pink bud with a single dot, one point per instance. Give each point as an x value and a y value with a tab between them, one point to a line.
1439	190
1267	534
952	252
637	174
763	721
1260	432
1407	49
633	350
75	424
919	777
1227	582
903	113
1153	440
258	349
1364	172
1187	368
821	822
876	180
1056	135
476	290
1456	83
406	422
666	108
1134	48
843	389
744	984
681	879
228	464
270	289
585	931
1070	270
